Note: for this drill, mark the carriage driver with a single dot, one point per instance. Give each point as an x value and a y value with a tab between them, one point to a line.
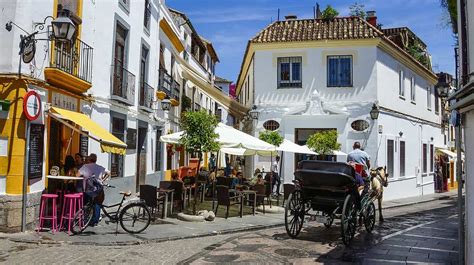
360	157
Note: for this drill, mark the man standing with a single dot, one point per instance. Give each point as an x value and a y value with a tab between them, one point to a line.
360	157
276	177
212	162
92	170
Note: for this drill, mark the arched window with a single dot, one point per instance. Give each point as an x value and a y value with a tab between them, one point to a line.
271	125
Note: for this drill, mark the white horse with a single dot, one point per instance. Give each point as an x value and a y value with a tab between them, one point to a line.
378	180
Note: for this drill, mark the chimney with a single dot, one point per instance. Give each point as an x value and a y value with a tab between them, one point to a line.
291	17
372	18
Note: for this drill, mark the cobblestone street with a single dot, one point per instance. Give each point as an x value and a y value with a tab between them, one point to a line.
424	232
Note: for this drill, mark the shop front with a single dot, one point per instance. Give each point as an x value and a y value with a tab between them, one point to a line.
60	130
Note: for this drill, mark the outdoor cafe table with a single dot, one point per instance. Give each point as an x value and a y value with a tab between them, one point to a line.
166	192
63	178
247	193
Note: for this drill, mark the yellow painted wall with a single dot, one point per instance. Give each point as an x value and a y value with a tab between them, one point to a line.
13	128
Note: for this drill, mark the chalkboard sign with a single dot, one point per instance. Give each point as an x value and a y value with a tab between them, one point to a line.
131	138
83	144
35	158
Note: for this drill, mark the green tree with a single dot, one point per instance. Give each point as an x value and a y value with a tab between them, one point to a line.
324	142
450	7
271	137
329	13
199	135
357	10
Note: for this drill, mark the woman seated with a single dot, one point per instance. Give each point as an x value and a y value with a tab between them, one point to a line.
69	169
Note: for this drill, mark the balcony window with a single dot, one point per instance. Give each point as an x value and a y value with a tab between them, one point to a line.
123	82
412	89
436	102
118	130
401	84
339	71
147	15
289	72
428	97
390	155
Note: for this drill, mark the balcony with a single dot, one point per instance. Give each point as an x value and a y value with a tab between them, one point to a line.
70	66
146	97
168	85
123	84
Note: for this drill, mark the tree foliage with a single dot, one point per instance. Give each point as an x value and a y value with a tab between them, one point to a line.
324	142
357	10
450	6
199	132
271	137
329	13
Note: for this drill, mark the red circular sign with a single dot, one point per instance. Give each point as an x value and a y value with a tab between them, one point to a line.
32	105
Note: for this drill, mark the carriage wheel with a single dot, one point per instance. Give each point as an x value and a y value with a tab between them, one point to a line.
369	218
294	214
329	220
348	219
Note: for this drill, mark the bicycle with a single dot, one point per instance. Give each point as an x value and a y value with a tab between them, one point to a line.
134	217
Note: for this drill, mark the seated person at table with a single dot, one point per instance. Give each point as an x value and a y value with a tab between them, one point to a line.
79	160
260	180
69	169
189	179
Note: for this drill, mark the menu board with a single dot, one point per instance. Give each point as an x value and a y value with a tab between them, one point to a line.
83	144
35	157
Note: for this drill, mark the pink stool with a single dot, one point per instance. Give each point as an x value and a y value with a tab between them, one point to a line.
71	201
44	215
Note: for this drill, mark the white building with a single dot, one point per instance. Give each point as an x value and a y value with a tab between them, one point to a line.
124	52
306	75
465	105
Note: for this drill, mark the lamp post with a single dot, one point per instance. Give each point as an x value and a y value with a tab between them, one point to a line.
63	30
374	112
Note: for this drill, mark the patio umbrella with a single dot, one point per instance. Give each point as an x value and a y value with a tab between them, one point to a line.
285	146
229	137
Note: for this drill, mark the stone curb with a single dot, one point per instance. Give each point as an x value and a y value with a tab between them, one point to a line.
147	241
418	202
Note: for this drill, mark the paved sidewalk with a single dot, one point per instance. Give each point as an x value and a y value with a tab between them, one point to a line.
173	229
159	231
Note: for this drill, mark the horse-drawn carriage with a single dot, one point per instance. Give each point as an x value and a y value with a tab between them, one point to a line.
330	189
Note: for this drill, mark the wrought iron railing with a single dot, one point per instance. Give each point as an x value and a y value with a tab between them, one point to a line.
123	83
168	85
146	95
74	58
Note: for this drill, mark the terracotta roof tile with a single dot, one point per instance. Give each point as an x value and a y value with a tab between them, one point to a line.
341	28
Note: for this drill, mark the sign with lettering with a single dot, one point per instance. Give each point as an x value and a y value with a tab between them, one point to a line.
83	144
64	101
35	157
32	105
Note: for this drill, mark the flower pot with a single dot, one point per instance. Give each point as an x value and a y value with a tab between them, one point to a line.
160	95
174	102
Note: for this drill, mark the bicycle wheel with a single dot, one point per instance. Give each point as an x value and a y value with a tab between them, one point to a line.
82	219
134	218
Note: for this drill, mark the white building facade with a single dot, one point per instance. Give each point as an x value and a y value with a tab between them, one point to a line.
310	75
126	57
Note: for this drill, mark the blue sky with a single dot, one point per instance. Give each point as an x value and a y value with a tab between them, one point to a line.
229	24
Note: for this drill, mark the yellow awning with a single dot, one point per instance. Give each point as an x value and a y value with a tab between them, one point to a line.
108	142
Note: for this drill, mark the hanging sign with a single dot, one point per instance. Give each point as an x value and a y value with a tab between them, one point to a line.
360	125
27	48
32	105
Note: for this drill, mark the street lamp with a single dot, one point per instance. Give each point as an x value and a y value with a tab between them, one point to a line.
374	112
443	85
254	113
63	28
166	104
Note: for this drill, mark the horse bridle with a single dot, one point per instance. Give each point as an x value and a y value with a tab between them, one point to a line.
377	175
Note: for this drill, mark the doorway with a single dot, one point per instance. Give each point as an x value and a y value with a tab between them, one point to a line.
141	154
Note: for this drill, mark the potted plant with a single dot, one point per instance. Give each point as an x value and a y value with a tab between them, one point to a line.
324	143
160	95
199	135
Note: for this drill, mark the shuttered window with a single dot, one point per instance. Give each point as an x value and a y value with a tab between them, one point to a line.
339	70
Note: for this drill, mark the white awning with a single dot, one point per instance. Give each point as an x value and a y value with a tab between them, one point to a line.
228	137
286	146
